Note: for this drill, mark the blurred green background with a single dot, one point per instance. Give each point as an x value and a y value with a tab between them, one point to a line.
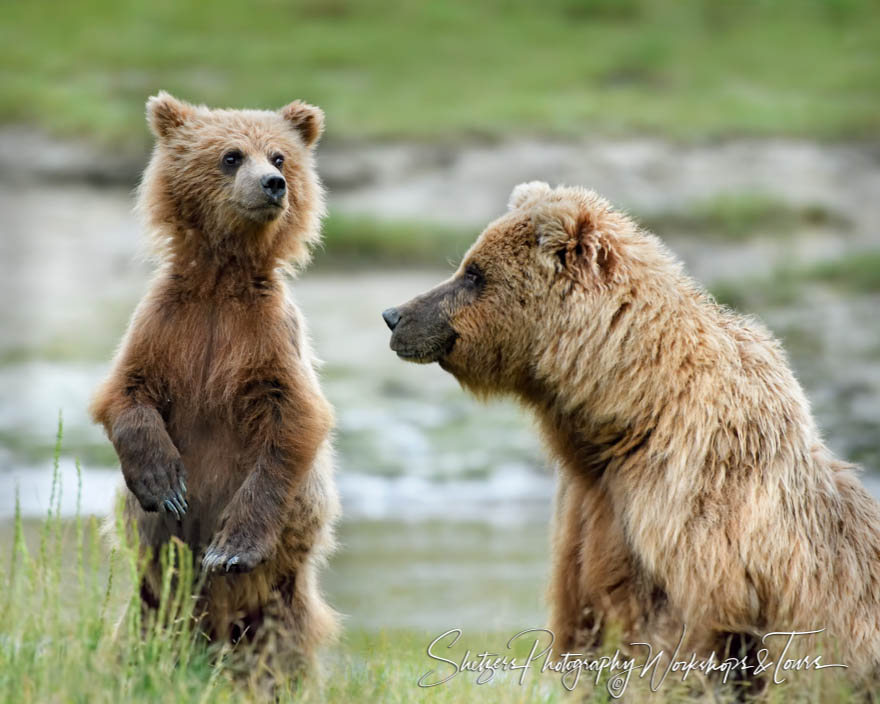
683	68
747	135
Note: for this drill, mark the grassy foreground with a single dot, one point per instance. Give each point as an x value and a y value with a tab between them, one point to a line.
685	68
71	631
71	634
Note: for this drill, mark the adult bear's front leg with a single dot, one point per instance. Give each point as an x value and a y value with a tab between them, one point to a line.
593	584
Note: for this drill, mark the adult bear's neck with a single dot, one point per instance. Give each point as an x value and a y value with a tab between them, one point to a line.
647	375
614	372
689	387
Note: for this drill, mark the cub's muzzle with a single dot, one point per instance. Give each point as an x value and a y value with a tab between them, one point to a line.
274	186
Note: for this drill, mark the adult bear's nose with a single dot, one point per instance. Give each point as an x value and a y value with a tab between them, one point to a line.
273	186
391	317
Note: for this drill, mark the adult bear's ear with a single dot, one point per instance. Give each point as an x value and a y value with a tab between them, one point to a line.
306	119
526	193
570	240
165	113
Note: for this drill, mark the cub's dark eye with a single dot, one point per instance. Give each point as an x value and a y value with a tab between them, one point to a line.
232	159
473	275
278	161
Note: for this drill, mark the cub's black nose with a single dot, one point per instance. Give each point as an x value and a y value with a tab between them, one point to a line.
392	318
274	186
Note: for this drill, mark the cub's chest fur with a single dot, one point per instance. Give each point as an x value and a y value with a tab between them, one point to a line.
219	340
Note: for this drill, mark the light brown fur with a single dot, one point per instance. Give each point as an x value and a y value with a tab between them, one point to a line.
213	398
694	487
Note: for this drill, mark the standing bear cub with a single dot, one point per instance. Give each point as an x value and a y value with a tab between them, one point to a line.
694	488
213	403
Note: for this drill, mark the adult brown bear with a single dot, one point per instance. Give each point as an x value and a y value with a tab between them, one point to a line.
694	488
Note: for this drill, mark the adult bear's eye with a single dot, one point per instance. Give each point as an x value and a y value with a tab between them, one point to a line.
473	275
232	159
278	161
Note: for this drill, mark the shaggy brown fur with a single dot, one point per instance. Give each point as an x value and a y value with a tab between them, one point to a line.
213	404
694	487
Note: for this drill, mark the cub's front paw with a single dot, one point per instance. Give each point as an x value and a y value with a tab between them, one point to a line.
233	552
161	487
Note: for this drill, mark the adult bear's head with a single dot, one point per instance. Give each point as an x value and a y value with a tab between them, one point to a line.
541	294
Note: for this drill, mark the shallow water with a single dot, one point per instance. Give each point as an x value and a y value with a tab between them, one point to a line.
446	500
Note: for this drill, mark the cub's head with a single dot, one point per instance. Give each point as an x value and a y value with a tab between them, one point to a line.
242	180
539	283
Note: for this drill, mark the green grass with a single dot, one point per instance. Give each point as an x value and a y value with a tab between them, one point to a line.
685	68
738	217
30	448
357	241
72	631
857	274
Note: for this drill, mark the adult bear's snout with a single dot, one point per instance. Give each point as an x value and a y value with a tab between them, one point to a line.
391	316
420	328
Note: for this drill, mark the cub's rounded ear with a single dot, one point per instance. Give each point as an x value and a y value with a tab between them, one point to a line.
530	192
306	119
165	113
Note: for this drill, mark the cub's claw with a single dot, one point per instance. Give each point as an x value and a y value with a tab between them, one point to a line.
209	559
171	508
159	487
226	558
176	505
